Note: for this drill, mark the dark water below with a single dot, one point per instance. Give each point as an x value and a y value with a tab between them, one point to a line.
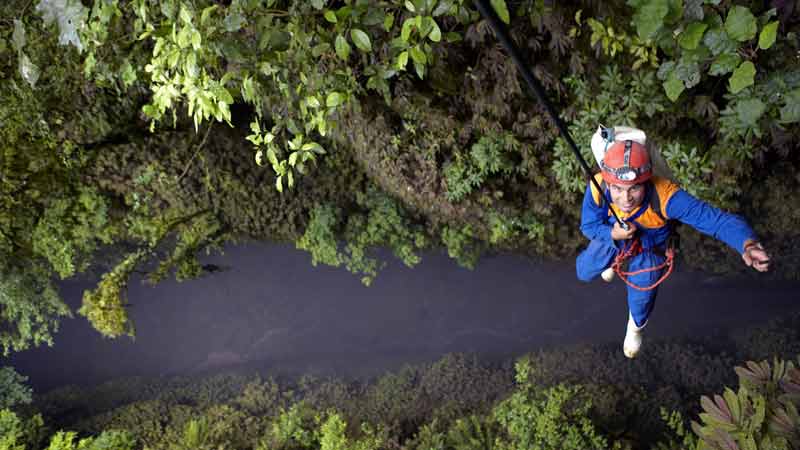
275	311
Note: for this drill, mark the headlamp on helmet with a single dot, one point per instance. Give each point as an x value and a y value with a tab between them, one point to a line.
626	163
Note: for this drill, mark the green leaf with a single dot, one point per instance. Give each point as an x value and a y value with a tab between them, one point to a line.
502	10
665	69
313	102
741	24
233	22
410	6
750	110
443	7
436	34
207	13
128	74
196	39
320	49
452	36
388	22
185	15
334	99
318	4
742	77
223	95
650	18
18	36
405	33
688	72
693	10
271	157
420	68
342	47
673	87
279	184
675	11
718	41
361	40
767	36
314	147
330	16
724	63
790	112
402	60
692	35
293	158
418	55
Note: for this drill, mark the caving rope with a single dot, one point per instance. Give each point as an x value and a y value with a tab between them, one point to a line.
634	246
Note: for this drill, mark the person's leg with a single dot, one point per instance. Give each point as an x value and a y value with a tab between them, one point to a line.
640	303
594	259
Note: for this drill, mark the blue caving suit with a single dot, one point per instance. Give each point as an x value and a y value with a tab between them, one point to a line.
653	230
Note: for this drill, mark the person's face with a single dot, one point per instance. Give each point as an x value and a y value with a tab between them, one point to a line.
627	198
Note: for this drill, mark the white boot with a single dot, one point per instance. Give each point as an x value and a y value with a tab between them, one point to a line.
633	338
608	275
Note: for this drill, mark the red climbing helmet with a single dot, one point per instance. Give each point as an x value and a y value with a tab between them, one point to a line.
626	162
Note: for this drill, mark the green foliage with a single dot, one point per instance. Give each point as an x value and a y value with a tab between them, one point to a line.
380	220
195	436
182	66
627	98
319	238
574	397
70	230
18	434
105	307
491	155
202	232
461	245
705	42
12	388
762	414
10	431
302	428
553	418
613	41
676	423
117	440
384	223
504	229
691	170
30	308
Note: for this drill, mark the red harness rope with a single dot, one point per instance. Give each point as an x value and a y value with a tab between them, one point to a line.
634	249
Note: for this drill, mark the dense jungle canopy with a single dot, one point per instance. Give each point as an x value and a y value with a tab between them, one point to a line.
137	134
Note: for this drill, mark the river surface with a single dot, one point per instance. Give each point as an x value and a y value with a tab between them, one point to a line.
273	310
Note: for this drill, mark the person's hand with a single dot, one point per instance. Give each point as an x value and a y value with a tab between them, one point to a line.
755	256
618	233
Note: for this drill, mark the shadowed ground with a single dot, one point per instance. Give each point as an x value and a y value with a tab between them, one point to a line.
274	311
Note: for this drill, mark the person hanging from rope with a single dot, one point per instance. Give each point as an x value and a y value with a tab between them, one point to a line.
646	203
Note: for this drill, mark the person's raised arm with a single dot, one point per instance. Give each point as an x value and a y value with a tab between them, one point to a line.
727	227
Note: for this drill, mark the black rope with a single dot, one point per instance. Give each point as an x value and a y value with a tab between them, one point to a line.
502	35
